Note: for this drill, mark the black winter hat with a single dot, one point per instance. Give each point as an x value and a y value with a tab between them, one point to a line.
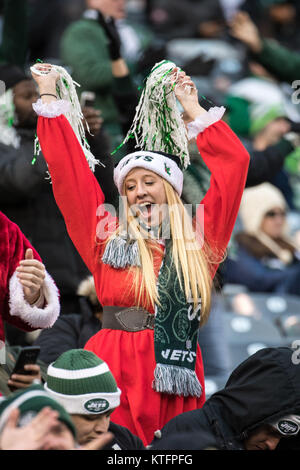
11	75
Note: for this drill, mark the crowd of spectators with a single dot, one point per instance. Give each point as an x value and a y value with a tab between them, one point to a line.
242	54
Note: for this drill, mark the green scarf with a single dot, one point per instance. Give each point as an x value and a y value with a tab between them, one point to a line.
176	321
175	334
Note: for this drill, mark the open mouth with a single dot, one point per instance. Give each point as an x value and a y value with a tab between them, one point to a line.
148	213
143	210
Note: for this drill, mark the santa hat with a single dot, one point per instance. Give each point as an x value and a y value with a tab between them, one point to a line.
82	383
165	165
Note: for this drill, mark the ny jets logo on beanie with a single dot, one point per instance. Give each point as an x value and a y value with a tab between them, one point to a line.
96	405
82	383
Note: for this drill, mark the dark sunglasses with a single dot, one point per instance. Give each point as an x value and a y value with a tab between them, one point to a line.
275	213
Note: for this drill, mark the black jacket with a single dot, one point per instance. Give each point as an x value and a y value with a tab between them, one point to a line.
265	164
261	389
26	198
123	439
70	331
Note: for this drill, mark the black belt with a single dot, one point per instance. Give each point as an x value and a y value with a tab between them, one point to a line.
127	319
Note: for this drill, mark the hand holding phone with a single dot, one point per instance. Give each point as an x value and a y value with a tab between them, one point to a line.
26	371
92	117
87	99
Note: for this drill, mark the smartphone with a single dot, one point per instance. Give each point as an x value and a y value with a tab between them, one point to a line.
27	355
87	99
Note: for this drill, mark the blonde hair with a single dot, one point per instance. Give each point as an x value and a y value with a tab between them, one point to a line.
190	260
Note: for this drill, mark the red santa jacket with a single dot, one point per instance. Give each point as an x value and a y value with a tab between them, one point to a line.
13	307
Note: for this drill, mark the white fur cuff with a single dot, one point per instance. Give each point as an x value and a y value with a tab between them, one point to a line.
204	120
35	317
51	110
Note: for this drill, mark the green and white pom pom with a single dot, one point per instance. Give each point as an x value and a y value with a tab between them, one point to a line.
8	134
66	90
158	125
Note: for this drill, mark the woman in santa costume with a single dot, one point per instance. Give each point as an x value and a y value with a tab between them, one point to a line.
29	298
153	266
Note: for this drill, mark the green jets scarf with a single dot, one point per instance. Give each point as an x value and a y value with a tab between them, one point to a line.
175	334
176	322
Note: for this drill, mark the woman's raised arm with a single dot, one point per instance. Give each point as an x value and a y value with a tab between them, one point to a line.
75	188
228	161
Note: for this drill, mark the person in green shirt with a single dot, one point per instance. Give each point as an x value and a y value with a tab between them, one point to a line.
278	60
91	48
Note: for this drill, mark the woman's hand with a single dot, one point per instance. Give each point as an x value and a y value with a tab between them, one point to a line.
187	95
31	274
47	81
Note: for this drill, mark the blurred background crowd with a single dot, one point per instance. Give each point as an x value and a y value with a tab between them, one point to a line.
242	54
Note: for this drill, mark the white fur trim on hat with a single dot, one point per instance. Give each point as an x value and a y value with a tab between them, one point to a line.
79	404
36	317
159	164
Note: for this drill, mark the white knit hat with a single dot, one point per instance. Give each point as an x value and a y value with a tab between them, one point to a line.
256	202
165	165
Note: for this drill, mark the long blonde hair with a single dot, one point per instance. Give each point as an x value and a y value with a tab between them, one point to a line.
190	259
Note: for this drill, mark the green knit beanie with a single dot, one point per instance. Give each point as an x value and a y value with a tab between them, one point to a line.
262	115
30	402
81	382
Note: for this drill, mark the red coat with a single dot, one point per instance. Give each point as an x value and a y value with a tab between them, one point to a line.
13	307
13	245
130	356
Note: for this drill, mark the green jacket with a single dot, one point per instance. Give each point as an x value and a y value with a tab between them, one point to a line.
285	66
15	29
84	48
281	62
